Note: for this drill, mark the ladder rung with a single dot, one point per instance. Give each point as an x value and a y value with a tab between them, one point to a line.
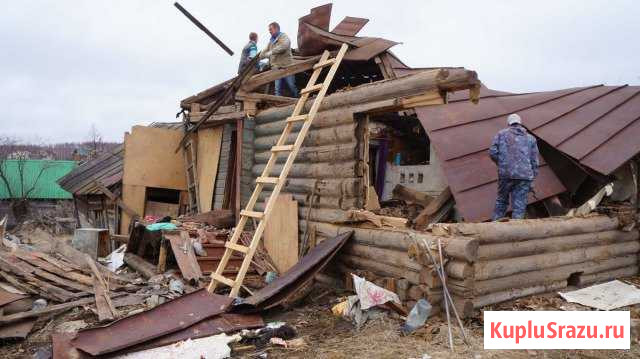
221	279
283	148
298	118
271	180
324	64
237	247
311	89
253	214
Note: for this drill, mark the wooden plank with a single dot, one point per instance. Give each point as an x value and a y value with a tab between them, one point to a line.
208	156
269	76
106	310
133	196
150	159
12	318
185	256
432	208
116	199
241	95
281	233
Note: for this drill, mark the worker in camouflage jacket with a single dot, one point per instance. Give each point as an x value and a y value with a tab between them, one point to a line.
279	54
249	51
515	152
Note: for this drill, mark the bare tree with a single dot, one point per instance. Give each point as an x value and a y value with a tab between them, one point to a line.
13	161
95	140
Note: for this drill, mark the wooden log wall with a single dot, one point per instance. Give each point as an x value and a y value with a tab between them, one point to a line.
518	258
328	176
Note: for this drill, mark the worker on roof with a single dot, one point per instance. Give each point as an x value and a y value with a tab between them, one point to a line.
515	152
249	51
279	54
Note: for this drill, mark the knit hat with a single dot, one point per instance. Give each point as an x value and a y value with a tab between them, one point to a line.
513	118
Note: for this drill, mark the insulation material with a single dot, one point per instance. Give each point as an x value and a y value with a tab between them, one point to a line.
209	143
606	296
210	347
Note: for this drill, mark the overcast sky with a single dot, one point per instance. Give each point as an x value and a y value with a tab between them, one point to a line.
67	64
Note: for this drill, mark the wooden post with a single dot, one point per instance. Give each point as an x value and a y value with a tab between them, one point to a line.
162	256
238	174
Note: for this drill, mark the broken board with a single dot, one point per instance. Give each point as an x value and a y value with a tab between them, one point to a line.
281	233
208	155
185	256
150	159
134	197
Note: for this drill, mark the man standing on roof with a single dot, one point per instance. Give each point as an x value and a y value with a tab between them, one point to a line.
249	51
515	152
279	54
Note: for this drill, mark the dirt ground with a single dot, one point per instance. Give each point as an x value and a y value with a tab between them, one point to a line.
331	337
327	336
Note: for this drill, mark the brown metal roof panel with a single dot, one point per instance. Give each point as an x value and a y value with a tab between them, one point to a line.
462	113
581	117
553	111
370	50
600	130
350	26
309	43
616	151
477	204
189	309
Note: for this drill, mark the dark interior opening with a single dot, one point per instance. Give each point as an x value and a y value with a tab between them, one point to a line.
574	279
163	195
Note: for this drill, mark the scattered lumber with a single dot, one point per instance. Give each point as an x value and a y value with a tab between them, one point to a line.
182	249
430	213
410	195
140	265
106	310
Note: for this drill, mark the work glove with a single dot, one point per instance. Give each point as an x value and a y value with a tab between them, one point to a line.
266	54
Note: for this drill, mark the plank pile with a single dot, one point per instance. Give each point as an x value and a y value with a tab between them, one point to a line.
489	263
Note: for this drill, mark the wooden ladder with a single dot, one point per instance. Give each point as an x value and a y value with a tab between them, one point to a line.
191	170
280	148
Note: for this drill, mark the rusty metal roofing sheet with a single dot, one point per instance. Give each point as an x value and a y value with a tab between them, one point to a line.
296	277
350	26
164	319
224	323
308	43
597	126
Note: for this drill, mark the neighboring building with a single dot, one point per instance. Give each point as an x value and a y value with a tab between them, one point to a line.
41	175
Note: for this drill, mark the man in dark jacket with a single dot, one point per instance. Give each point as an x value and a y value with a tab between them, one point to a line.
249	51
515	152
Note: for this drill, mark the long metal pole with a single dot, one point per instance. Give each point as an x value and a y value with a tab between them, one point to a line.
203	28
445	290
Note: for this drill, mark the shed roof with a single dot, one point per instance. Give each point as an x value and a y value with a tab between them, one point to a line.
106	169
597	126
42	173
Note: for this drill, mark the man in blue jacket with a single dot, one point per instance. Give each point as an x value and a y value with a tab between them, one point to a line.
515	152
249	51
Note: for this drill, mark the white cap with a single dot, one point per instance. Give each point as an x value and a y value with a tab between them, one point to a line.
513	118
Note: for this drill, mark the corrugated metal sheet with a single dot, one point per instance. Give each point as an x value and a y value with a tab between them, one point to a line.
597	126
164	319
42	173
